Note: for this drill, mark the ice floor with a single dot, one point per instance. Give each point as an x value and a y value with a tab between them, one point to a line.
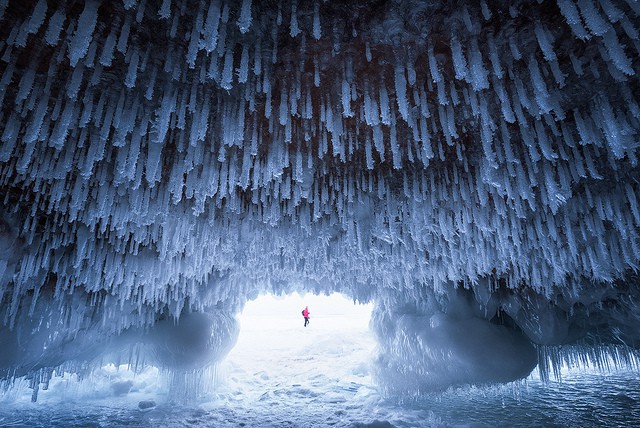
281	374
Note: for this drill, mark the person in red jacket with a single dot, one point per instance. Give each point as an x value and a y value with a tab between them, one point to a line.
305	314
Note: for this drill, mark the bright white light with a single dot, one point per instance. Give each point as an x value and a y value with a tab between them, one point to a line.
272	323
285	311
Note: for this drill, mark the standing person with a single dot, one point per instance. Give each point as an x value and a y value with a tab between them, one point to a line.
305	314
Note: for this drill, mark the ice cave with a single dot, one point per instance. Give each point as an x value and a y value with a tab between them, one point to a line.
469	168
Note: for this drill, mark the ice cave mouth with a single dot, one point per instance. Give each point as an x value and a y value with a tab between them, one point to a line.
276	311
163	162
274	347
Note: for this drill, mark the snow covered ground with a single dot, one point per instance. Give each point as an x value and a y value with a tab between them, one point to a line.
285	374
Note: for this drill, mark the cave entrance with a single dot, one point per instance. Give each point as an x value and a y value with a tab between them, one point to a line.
275	352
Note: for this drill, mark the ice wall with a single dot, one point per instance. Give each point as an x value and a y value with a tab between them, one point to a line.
433	341
164	158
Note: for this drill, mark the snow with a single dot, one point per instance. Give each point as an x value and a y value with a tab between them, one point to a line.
321	369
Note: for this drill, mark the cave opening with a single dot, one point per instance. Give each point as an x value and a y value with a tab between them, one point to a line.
275	353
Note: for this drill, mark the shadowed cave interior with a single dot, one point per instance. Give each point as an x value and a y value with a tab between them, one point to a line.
469	167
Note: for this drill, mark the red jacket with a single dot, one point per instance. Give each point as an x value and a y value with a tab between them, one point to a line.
305	313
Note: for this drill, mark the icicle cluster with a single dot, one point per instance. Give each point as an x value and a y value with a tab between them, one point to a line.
162	155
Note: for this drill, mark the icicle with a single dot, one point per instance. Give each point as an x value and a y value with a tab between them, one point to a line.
61	130
466	18
571	14
33	24
385	112
494	57
284	107
165	9
74	83
633	203
244	21
424	108
617	54
411	73
152	170
545	41
486	134
317	31
401	92
451	123
613	13
543	142
194	41
123	39
556	198
140	11
583	130
107	51
243	72
81	39
629	29
346	98
257	59
210	36
614	136
577	66
55	27
226	81
151	84
378	141
459	61
25	86
294	29
593	170
161	125
9	137
316	73
515	51
479	77
541	92
132	72
393	142
7	76
31	133
436	75
486	13
427	150
592	18
308	106
371	112
266	87
505	104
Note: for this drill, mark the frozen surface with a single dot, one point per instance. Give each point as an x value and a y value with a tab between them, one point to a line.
281	374
469	167
290	375
587	399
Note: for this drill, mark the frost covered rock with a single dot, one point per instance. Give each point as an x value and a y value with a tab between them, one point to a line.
425	346
146	404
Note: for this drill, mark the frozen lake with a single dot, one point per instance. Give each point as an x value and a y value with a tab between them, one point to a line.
281	374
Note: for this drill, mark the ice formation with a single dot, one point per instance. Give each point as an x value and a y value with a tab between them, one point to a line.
472	167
